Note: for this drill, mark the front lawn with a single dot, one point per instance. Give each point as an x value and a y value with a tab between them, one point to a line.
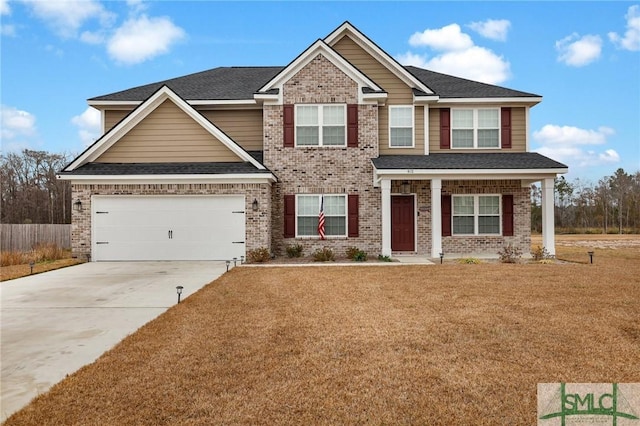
441	344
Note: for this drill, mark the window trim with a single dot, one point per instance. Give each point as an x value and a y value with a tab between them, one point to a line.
476	215
346	216
320	125
476	128
413	126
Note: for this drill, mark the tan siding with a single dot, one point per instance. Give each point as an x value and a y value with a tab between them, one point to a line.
518	131
243	126
113	117
167	134
418	134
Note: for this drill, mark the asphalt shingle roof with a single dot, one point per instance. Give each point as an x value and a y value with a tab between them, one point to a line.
233	83
460	160
165	169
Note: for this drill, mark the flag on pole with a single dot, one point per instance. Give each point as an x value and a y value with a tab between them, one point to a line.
321	219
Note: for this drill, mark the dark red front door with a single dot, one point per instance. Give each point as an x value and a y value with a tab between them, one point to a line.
402	223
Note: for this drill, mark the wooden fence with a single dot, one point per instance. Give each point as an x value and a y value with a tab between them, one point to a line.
24	237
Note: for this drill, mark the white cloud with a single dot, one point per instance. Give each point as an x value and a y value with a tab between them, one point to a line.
574	146
631	39
4	7
495	29
16	122
445	38
579	51
89	125
8	30
67	17
92	37
458	56
143	38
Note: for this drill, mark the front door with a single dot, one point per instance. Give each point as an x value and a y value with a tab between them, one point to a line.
402	223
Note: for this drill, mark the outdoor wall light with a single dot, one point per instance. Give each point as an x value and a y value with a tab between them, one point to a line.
590	253
77	205
228	262
241	260
405	187
31	265
441	257
254	205
179	291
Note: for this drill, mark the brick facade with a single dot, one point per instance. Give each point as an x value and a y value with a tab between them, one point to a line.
324	170
257	223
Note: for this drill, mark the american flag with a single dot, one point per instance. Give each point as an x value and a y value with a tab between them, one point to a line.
321	219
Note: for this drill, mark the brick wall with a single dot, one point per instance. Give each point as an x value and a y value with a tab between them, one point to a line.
324	170
257	223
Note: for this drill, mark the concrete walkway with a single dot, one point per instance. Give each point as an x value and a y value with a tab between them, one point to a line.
56	322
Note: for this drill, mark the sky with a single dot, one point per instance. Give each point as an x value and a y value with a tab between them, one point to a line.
583	58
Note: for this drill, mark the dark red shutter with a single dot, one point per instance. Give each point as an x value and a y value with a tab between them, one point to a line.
352	125
506	127
446	215
288	121
289	216
507	215
353	215
445	128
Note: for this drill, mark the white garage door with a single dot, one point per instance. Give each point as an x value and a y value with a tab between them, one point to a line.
168	227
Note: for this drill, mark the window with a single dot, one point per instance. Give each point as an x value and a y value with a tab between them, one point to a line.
401	126
476	214
321	125
475	128
335	215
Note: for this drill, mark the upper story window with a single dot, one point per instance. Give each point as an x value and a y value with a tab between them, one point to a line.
476	214
321	125
475	128
401	126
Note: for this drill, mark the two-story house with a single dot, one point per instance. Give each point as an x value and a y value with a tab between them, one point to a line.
399	159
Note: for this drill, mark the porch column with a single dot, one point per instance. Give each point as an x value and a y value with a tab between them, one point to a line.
436	217
385	184
548	225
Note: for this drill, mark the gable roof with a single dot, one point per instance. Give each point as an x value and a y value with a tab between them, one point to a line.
142	111
467	161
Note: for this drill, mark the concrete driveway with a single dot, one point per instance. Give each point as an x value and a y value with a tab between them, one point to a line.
56	322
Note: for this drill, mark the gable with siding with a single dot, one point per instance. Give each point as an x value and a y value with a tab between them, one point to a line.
168	134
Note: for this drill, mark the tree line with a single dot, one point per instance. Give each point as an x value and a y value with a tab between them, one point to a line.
30	193
612	205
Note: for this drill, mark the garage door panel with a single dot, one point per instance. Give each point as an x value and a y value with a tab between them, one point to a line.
168	227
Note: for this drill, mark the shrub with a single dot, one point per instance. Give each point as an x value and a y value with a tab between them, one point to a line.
470	261
259	255
382	258
540	253
510	254
48	251
548	261
323	255
352	252
360	256
8	258
294	251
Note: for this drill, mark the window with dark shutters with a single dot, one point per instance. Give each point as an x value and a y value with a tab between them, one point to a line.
446	215
507	215
352	125
353	215
505	134
445	128
289	125
289	216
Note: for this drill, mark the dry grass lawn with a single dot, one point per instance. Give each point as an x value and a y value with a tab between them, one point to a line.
19	271
442	344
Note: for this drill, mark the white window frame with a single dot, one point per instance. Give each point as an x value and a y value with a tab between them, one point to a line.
320	125
317	236
476	128
413	126
476	214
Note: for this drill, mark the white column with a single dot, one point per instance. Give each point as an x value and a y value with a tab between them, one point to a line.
436	217
385	184
548	225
